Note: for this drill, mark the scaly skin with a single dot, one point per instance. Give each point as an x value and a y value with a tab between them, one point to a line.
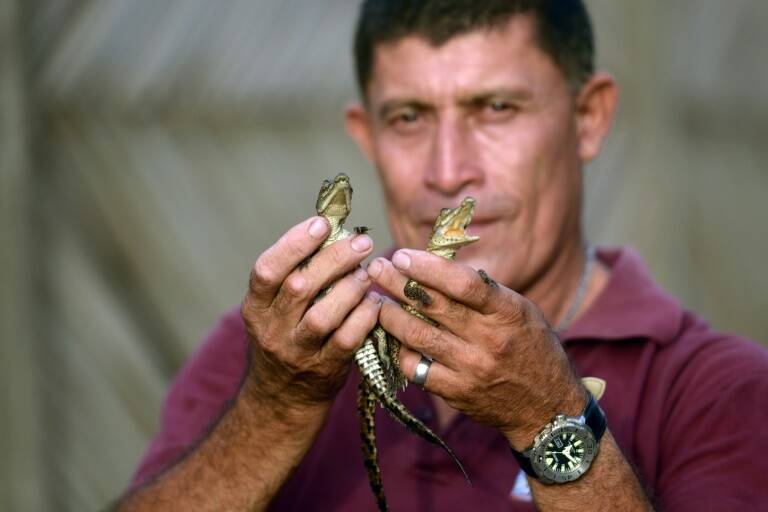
448	234
377	358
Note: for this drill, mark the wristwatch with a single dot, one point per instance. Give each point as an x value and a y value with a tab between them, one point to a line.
565	447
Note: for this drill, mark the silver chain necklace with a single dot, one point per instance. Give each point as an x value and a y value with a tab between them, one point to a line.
586	273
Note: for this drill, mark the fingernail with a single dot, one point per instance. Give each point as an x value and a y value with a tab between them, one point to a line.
374	297
374	268
361	275
318	228
401	260
361	243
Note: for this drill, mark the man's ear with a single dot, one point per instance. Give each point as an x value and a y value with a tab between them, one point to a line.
595	105
358	125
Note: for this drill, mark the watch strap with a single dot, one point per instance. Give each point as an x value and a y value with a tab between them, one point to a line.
525	463
594	418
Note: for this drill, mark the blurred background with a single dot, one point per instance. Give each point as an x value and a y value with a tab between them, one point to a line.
150	150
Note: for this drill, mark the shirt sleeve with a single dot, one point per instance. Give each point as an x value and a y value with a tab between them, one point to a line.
714	446
197	397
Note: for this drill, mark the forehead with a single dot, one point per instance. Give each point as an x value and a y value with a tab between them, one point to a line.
508	56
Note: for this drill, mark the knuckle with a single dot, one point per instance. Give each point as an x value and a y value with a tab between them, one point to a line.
453	309
496	347
513	312
480	365
426	335
262	275
466	389
390	276
316	324
471	287
483	372
337	254
416	331
267	344
361	319
487	295
345	341
296	286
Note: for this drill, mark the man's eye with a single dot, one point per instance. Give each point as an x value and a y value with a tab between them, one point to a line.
497	110
499	106
407	116
406	121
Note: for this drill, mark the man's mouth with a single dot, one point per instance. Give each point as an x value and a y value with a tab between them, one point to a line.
475	227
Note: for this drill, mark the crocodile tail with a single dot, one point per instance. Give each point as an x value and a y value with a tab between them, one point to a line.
366	409
400	413
373	375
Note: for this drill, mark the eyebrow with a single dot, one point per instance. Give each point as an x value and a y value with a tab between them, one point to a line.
393	104
482	97
471	100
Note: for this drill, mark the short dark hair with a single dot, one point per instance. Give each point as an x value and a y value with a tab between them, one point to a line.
564	30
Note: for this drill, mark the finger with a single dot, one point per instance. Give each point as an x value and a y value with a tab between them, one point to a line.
441	380
274	264
329	312
418	335
458	281
350	335
452	315
303	284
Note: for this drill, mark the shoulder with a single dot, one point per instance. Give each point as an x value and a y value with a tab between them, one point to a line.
713	360
715	407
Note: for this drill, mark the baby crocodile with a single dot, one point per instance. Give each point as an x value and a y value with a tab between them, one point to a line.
377	358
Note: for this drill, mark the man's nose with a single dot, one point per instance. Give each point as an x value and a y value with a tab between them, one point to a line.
453	163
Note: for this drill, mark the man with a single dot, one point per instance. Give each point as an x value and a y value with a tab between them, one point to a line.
498	100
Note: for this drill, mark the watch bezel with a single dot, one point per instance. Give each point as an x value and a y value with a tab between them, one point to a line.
560	425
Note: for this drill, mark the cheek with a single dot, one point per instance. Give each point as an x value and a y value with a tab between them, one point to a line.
400	165
400	168
509	157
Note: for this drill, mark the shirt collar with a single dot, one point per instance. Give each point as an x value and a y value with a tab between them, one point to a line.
631	305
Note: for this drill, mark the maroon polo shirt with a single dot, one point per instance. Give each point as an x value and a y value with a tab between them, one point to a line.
688	407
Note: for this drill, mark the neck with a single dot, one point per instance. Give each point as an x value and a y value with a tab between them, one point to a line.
555	290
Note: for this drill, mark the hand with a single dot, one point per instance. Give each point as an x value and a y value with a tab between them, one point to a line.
495	358
302	350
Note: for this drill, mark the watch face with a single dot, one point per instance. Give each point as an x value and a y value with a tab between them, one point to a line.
565	453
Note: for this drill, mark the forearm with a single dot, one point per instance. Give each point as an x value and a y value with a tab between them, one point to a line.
610	484
240	465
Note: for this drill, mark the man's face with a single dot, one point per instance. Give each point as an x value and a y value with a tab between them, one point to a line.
487	114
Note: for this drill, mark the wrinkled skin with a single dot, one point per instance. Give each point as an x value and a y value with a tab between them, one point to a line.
301	351
483	350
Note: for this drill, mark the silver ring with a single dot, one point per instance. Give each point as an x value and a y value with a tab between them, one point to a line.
422	369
